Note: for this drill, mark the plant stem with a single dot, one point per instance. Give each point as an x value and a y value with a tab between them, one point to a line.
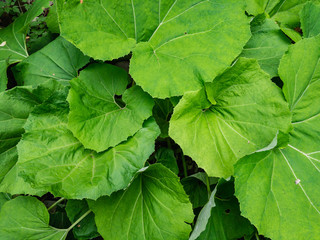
208	186
79	220
185	172
55	204
257	236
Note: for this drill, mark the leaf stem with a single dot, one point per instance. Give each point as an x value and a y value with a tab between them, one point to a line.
257	236
208	186
55	204
185	172
79	220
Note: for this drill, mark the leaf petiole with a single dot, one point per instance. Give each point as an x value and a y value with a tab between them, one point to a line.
79	220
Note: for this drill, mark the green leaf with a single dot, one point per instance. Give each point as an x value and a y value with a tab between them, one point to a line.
154	206
12	40
220	219
292	34
4	197
97	118
195	186
170	56
287	12
162	111
301	78
27	218
267	44
52	19
216	136
15	107
60	61
256	7
50	157
282	184
86	229
166	157
310	20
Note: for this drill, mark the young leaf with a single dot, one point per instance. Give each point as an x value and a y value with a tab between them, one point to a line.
310	20
166	157
15	107
170	56
195	187
220	218
60	61
216	136
13	40
154	206
267	44
86	229
162	111
27	218
96	118
50	157
278	190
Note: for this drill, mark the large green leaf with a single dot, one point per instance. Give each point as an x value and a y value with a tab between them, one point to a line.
97	118
27	218
50	157
176	45
278	190
15	107
267	44
86	229
310	20
59	60
154	206
247	111
13	40
220	218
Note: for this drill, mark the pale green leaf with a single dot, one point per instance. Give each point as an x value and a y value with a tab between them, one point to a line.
50	157
15	107
310	20
27	218
59	60
250	110
154	206
220	219
267	44
96	116
176	45
13	40
278	190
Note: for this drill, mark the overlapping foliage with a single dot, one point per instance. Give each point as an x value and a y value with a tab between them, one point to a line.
195	119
